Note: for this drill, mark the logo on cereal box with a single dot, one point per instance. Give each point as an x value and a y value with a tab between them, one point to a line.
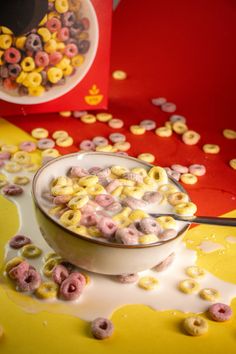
94	97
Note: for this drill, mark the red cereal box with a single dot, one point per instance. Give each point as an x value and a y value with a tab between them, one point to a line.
57	59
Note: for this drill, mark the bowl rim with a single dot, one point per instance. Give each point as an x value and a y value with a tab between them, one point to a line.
70	85
93	240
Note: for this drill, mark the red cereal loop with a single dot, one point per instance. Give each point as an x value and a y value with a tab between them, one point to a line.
102	328
19	241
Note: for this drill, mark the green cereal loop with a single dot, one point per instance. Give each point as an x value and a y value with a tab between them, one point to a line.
49	266
31	251
195	325
47	290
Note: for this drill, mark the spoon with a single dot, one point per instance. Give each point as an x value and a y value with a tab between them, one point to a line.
210	220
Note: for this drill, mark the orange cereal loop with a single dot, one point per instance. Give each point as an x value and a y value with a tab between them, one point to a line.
190	137
211	148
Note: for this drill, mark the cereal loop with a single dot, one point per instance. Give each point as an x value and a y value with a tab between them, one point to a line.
211	148
31	251
102	328
39	133
188	178
148	283
119	75
47	290
195	325
188	286
220	312
209	294
195	272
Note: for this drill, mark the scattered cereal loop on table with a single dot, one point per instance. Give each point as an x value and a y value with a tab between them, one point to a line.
119	75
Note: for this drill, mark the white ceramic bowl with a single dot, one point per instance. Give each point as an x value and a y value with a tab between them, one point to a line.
89	253
71	82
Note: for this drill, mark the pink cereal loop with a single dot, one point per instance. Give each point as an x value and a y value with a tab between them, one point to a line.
127	278
55	58
104	200
220	312
71	50
150	226
61	199
19	271
28	146
197	170
79	276
77	171
127	236
107	227
71	289
29	281
12	190
102	328
5	155
87	145
179	168
134	203
59	274
112	185
89	219
44	144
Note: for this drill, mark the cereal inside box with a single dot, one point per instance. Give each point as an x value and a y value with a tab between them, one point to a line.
54	55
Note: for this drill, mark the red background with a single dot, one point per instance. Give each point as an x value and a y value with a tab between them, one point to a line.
184	51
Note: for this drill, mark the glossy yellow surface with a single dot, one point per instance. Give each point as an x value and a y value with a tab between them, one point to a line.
138	329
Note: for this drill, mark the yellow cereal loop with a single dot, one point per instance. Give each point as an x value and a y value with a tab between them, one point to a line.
61	6
45	34
9	148
147	157
88	181
50	46
195	271
65	142
63	64
158	174
122	220
148	283
43	21
47	290
188	178
188	286
77	60
36	91
168	125
32	167
229	133
50	265
20	180
50	153
179	127
187	209
6	30
166	222
62	190
68	70
54	75
53	14
22	77
51	255
94	231
149	183
126	182
122	145
78	202
178	197
135	192
54	211
1	57
148	238
104	117
125	211
70	217
12	167
232	164
190	137
60	134
5	41
117	192
32	80
28	64
3	180
31	251
164	132
167	189
137	129
39	133
106	148
140	171
96	189
65	114
13	263
119	170
88	119
209	294
79	229
62	181
22	157
119	75
211	148
195	325
138	214
78	190
20	42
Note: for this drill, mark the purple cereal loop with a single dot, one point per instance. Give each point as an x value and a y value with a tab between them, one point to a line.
167	234
12	190
71	289
117	137
114	207
112	185
197	170
134	203
100	141
14	70
179	168
61	199
5	155
177	118
77	171
29	281
19	241
83	46
148	124
44	144
28	146
152	197
158	101
165	264
103	173
68	19
89	219
19	271
102	328
107	226
150	226
33	43
79	114
94	170
87	145
127	278
220	312
127	236
59	274
79	276
104	200
133	177
168	107
104	181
